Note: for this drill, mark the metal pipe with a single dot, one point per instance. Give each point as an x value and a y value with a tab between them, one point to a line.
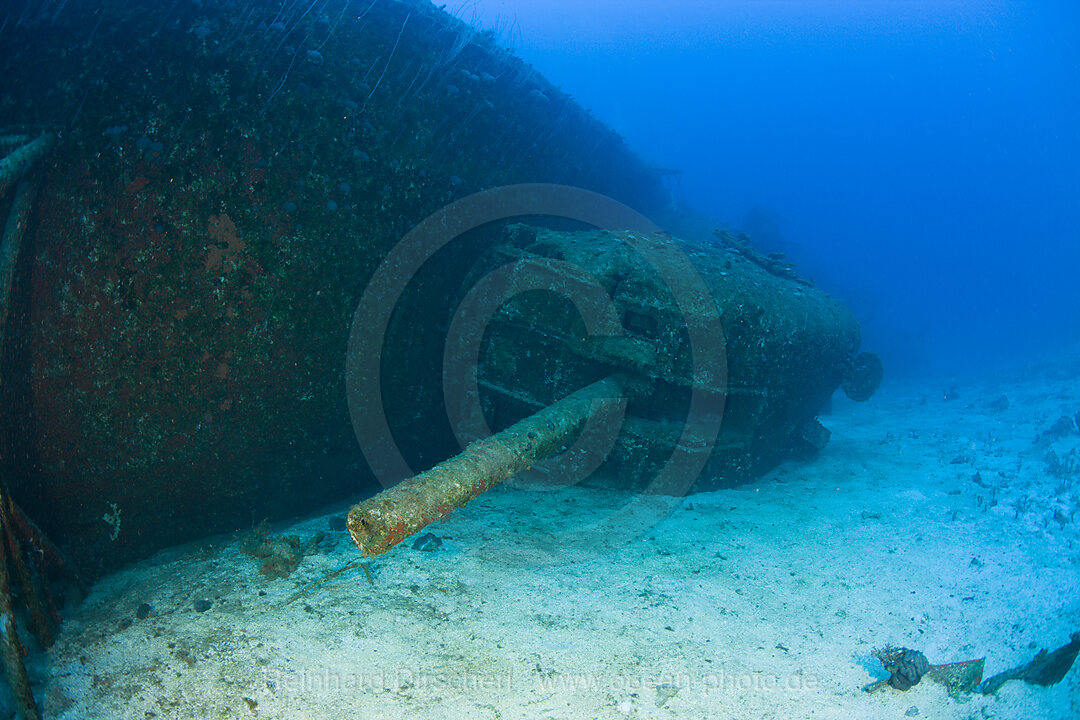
18	162
10	142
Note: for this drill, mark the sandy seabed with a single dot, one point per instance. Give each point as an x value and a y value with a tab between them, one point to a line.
943	525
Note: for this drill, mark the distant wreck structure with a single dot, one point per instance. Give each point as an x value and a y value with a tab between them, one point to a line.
225	179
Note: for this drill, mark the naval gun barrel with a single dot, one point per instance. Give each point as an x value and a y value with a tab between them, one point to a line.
381	522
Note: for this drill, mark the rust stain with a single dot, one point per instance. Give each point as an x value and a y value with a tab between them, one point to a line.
225	243
136	185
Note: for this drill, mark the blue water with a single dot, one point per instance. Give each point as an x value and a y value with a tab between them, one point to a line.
920	158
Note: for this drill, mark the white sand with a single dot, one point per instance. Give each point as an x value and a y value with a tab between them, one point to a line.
758	602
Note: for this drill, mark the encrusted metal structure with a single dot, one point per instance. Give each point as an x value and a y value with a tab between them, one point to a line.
226	178
719	358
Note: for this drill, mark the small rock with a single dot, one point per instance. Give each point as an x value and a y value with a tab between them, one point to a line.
427	542
664	693
912	711
906	667
143	611
203	605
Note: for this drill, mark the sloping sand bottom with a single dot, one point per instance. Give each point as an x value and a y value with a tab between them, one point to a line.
940	525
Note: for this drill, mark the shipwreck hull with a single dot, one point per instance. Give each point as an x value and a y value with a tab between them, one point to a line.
227	178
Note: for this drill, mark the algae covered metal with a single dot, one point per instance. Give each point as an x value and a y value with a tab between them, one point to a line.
225	179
